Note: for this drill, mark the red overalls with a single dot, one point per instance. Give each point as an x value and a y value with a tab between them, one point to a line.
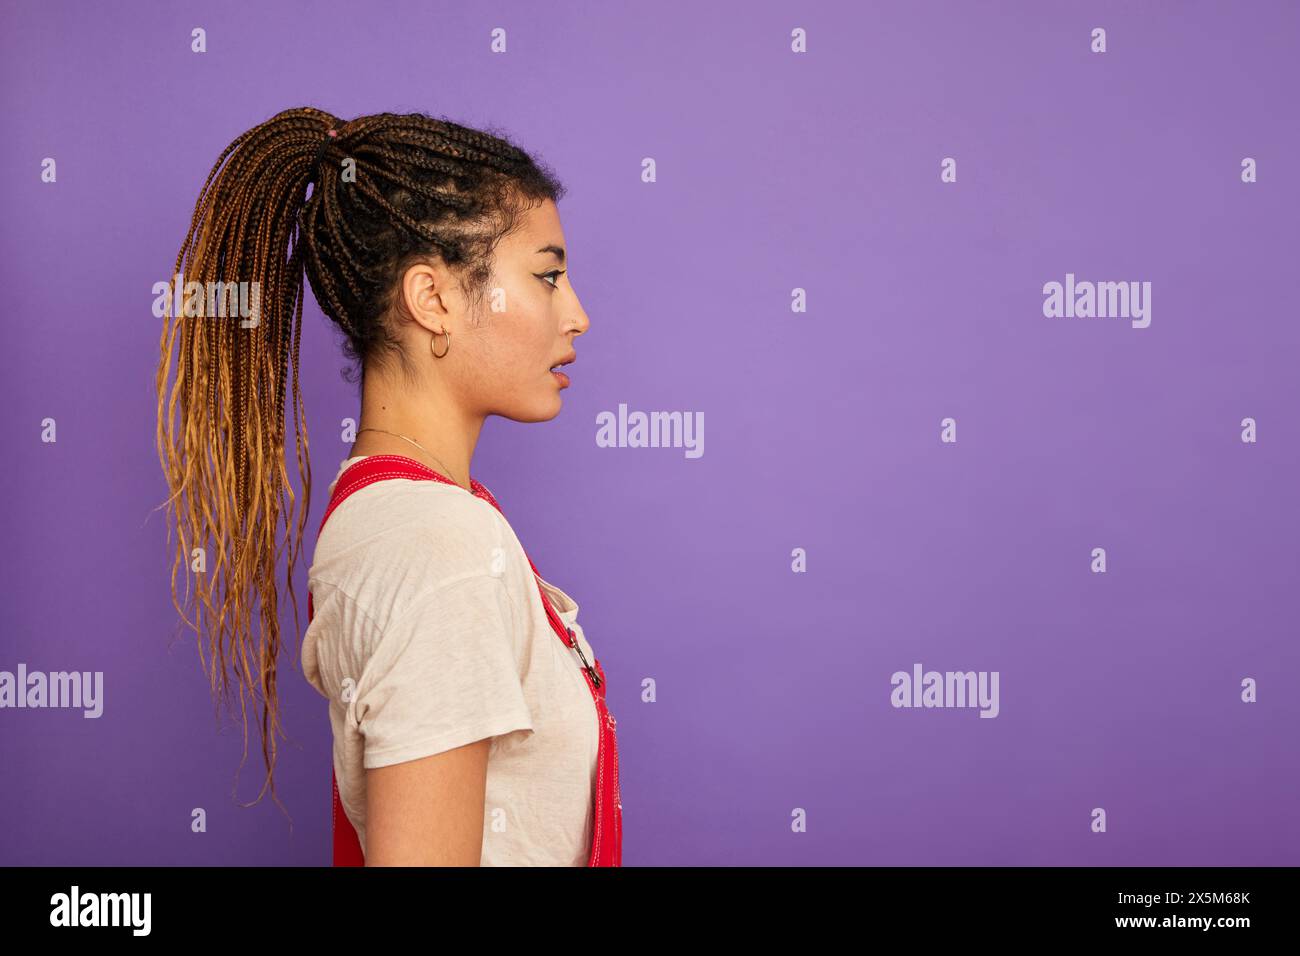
607	817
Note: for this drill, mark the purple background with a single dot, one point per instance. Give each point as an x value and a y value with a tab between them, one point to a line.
775	171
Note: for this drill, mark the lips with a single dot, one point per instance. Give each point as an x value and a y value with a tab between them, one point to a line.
565	360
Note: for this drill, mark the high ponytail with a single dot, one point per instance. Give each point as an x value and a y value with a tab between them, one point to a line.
224	457
276	204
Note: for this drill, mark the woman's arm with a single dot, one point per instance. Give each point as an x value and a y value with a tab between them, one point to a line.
428	812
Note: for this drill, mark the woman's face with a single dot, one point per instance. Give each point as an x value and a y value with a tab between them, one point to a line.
503	349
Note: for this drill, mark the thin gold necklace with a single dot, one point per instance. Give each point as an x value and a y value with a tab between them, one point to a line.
445	470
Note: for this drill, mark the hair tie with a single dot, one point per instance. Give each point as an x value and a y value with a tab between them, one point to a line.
330	134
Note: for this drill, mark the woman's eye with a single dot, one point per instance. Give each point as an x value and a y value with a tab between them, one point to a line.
555	273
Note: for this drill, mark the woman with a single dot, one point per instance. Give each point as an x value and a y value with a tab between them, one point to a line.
467	708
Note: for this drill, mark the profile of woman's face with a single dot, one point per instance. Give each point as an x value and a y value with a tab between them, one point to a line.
503	348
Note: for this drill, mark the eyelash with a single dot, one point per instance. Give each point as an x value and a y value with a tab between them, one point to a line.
554	272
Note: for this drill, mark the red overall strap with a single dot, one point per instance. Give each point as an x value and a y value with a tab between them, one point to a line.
607	811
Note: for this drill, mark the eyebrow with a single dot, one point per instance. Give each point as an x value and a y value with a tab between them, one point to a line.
557	251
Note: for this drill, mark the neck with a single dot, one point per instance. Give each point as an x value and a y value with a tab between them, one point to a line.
427	414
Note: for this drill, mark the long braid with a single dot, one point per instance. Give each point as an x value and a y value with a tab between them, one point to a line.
276	205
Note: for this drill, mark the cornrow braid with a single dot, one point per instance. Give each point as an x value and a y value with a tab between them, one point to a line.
352	209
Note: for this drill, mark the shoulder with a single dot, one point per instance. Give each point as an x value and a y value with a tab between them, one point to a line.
392	542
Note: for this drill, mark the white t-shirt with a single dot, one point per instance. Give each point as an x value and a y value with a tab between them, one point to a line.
428	634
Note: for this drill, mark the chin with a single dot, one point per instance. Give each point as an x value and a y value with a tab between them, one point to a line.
541	412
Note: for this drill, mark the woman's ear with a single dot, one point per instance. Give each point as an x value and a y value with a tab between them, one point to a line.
424	294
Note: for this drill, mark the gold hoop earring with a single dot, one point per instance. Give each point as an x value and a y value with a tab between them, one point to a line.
444	351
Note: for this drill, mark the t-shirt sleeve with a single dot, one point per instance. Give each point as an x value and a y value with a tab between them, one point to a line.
443	675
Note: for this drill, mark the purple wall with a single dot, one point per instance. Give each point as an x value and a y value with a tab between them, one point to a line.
776	170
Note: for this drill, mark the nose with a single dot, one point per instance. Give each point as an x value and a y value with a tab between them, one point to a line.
577	318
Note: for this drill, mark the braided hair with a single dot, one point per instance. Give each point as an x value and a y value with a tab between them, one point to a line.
353	205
